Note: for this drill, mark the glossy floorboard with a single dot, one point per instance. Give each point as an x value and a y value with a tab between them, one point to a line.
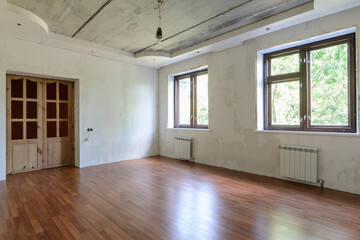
160	198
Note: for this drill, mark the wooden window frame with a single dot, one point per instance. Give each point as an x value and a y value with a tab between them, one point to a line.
193	98
303	76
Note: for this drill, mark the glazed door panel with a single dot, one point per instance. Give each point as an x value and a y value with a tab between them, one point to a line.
58	119
24	128
39	123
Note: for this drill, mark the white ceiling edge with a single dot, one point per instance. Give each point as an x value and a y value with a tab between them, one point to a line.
152	54
28	14
33	30
11	16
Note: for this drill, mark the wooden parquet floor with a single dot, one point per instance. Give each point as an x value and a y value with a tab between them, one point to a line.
162	198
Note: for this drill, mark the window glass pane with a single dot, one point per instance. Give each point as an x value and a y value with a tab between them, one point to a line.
285	64
31	110
202	100
16	130
51	110
63	110
16	109
184	101
51	129
31	89
63	91
17	88
329	86
31	130
285	103
64	129
51	91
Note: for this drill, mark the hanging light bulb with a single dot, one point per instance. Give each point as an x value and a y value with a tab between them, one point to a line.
159	33
159	30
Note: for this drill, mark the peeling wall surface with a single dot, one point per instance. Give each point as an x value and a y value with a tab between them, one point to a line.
232	141
117	100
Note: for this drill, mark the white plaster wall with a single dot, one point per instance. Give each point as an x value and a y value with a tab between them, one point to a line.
117	100
232	141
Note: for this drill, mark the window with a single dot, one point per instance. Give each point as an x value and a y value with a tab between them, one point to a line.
311	87
191	100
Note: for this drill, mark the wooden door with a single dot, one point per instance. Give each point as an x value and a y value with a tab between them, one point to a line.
58	123
24	128
39	124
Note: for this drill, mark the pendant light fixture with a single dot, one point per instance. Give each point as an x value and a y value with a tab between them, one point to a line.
159	30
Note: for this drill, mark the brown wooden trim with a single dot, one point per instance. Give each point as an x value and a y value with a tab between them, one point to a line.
352	76
284	78
283	52
305	92
8	124
350	40
193	99
303	87
265	93
330	42
176	101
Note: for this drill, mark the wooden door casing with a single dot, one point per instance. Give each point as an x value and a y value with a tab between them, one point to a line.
27	146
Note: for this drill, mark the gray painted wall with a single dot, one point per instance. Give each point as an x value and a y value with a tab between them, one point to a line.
117	100
232	141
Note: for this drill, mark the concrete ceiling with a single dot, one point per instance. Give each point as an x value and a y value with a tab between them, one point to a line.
130	25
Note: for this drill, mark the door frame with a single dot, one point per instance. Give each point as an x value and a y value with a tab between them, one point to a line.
76	106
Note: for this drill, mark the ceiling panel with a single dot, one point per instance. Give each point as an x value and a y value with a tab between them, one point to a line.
131	25
248	13
62	16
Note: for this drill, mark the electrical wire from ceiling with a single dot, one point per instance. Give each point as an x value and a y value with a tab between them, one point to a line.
159	30
198	24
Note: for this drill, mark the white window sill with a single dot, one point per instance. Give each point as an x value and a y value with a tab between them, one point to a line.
332	134
190	129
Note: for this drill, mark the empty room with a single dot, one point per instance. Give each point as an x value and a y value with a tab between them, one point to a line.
179	120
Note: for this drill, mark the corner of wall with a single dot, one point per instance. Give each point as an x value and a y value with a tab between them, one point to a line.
2	111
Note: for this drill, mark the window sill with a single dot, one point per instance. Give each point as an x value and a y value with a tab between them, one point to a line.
333	134
190	129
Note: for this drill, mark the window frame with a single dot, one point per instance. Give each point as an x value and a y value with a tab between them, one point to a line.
193	100
304	80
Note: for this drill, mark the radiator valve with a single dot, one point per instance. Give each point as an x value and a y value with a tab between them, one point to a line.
321	181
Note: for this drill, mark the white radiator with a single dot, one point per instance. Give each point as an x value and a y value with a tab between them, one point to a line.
299	163
183	148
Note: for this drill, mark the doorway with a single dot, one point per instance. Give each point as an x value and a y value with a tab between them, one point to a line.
40	123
